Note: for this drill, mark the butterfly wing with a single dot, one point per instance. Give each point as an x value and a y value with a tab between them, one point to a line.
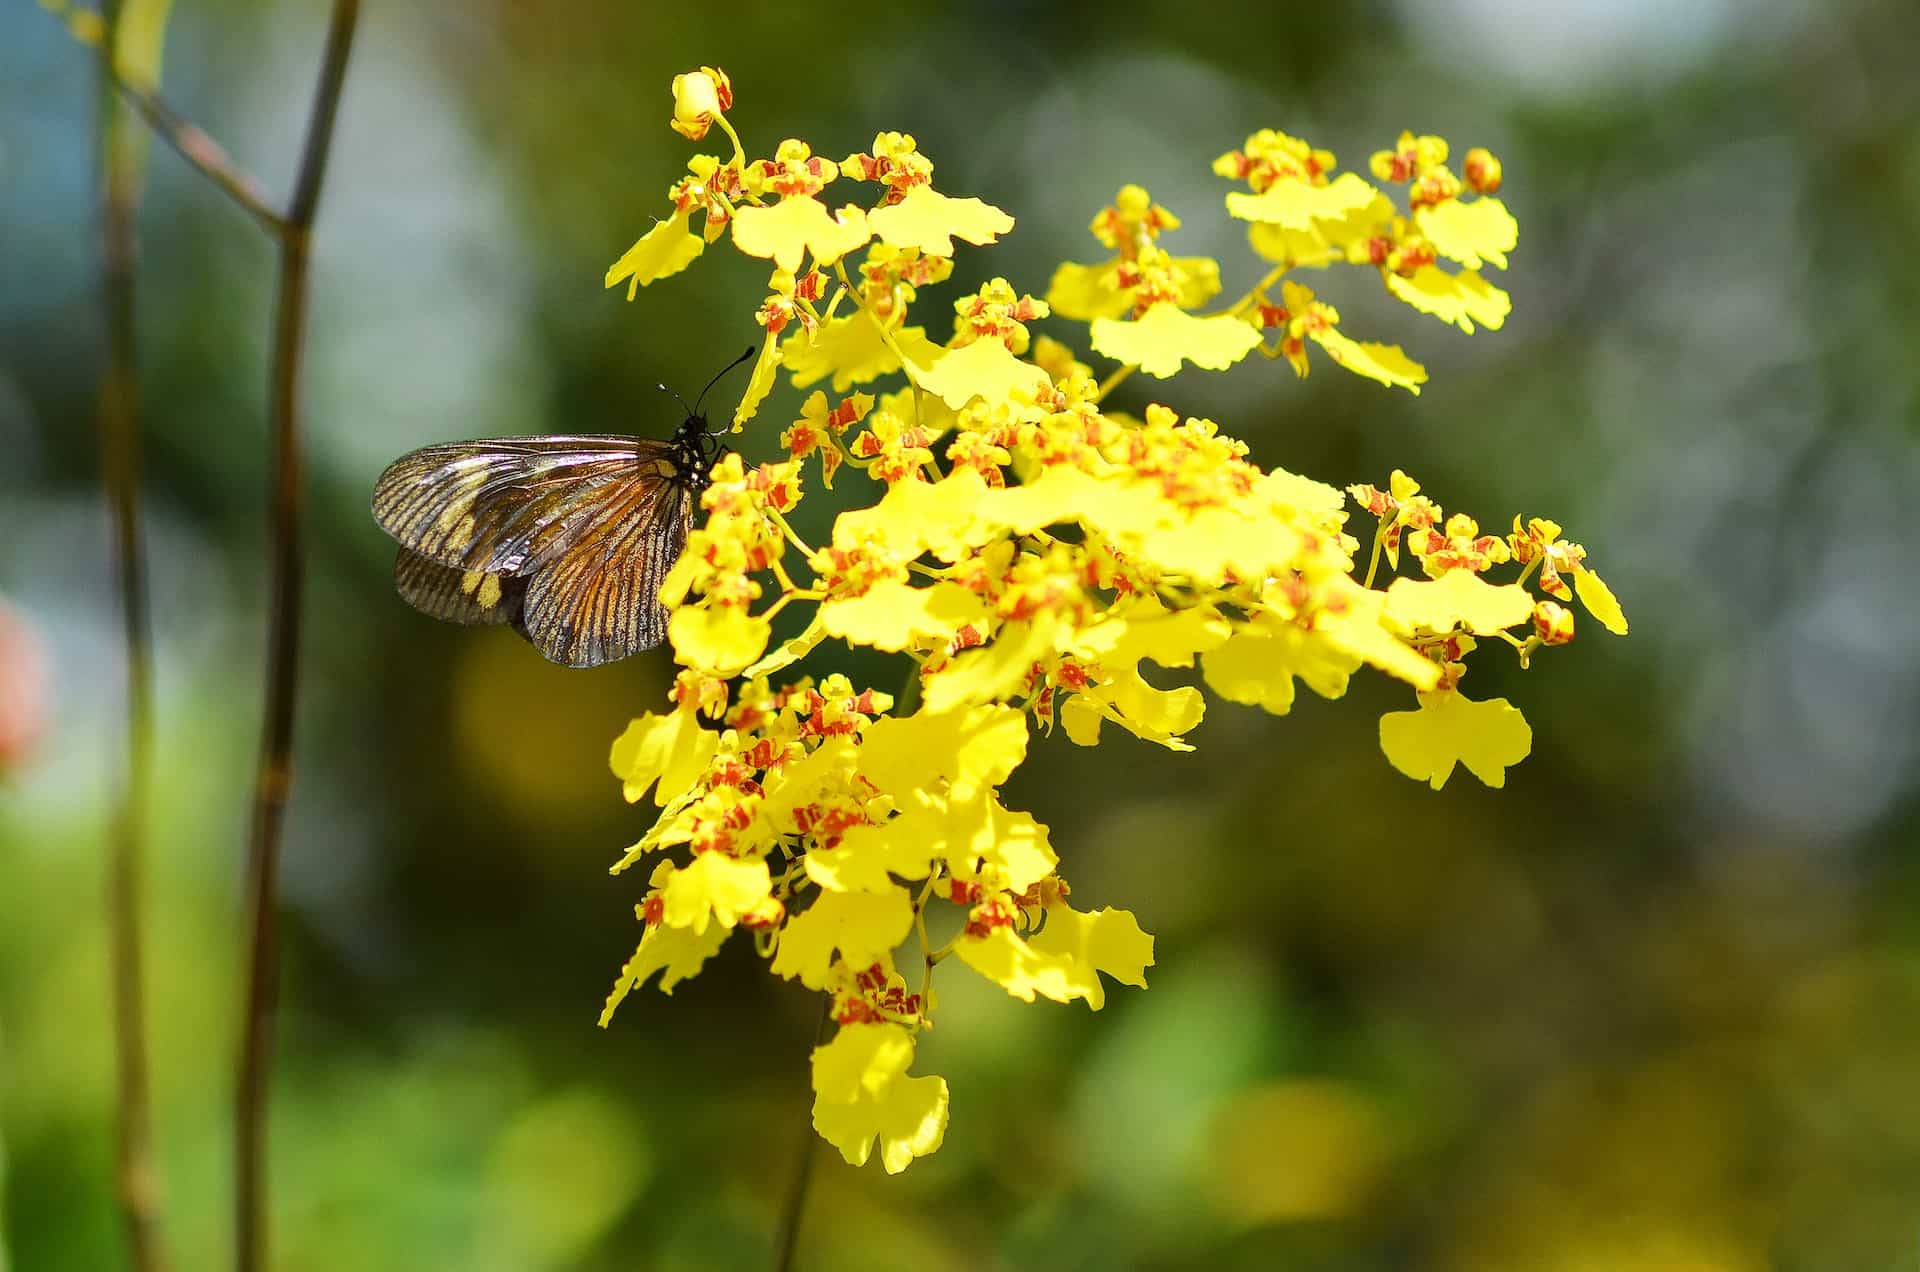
511	504
467	597
598	601
576	533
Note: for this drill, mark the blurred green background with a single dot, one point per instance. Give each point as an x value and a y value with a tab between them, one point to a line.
1656	1005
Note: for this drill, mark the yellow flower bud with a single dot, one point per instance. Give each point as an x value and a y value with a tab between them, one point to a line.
1482	170
1553	623
698	97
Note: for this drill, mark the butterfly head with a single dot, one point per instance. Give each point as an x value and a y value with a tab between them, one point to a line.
696	447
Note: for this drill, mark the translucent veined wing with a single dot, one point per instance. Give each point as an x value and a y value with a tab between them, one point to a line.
598	600
508	505
468	597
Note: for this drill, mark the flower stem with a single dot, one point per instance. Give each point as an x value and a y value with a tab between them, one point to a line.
1114	381
188	141
204	153
1252	295
792	535
739	151
886	333
275	772
136	1178
787	1240
1373	561
907	701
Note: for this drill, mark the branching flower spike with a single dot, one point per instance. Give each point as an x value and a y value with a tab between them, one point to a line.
1041	560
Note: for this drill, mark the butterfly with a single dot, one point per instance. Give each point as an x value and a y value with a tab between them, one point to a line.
564	537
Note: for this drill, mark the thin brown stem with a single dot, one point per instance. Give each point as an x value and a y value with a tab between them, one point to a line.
136	1178
786	1242
203	152
285	561
188	140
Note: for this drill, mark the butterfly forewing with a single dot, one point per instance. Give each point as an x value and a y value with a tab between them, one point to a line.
566	537
598	601
508	505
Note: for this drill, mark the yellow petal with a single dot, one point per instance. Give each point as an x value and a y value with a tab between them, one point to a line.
985	675
1129	634
863	926
1297	205
824	773
850	349
1382	362
717	887
1488	737
1064	959
917	516
983	369
1260	663
719	639
667	248
1600	601
1461	299
909	1120
1459	598
868	857
672	750
892	615
862	1094
973	836
973	749
1250	539
1309	248
788	652
796	225
930	221
1011	842
1470	232
861	1059
676	953
1144	629
1060	493
1359	627
1165	336
1086	292
1081	716
1155	715
1200	280
1107	939
759	384
1304	493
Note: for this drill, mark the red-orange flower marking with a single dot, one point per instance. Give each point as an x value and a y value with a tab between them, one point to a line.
794	170
988	915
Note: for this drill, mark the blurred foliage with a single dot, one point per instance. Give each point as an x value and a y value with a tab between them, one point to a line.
1656	1005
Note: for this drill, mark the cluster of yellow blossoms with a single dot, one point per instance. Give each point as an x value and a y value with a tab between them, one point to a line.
1032	554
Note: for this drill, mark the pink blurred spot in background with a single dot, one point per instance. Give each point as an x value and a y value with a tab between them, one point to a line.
25	675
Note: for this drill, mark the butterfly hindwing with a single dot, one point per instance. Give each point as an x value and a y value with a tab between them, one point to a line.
467	597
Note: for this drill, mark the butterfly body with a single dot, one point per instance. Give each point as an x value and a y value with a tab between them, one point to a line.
564	537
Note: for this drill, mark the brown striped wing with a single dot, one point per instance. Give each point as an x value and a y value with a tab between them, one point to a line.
509	505
598	601
566	537
467	597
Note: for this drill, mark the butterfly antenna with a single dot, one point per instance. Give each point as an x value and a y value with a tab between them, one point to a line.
750	351
676	397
